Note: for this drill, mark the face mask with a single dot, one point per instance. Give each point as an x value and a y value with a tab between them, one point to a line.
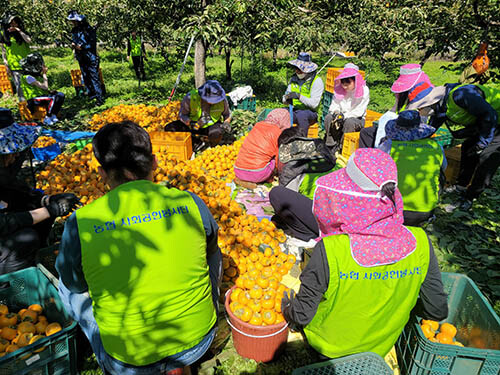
301	75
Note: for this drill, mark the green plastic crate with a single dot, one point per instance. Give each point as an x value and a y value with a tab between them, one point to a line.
23	288
248	104
475	320
366	363
443	137
263	114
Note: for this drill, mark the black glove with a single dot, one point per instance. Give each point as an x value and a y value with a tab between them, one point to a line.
292	95
60	204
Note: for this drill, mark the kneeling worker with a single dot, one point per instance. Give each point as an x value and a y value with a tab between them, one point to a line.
206	111
140	267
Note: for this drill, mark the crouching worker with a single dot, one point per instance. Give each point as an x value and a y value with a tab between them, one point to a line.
343	292
26	215
421	164
140	267
35	86
258	156
204	112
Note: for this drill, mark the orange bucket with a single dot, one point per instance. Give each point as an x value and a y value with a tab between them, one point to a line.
261	343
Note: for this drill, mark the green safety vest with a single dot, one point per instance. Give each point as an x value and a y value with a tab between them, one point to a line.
143	252
308	184
459	115
419	164
304	90
15	52
195	109
31	91
135	47
365	308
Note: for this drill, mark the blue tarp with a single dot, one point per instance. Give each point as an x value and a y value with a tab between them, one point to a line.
46	153
65	136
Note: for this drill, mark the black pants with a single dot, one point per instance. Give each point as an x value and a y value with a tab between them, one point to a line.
304	118
213	132
367	137
138	62
293	213
52	102
477	171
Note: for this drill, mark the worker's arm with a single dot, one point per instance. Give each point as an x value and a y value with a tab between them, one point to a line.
185	109
129	48
314	282
44	85
317	90
214	255
288	90
226	113
69	259
433	300
470	98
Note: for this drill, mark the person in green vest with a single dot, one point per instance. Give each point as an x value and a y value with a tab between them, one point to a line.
367	271
421	164
15	46
304	91
472	112
37	91
136	50
205	112
140	267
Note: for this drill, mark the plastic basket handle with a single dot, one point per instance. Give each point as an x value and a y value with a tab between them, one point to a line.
253	336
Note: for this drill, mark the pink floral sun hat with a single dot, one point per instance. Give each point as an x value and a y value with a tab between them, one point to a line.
279	117
351	201
409	76
350	70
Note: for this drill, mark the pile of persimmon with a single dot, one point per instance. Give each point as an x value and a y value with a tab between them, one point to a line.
444	334
149	117
256	299
43	141
75	173
23	328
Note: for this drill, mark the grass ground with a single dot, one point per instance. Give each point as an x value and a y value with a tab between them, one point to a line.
465	242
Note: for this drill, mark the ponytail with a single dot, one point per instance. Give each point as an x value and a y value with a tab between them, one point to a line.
388	191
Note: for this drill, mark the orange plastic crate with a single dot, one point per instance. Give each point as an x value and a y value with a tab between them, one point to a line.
26	115
370	117
6	87
313	131
331	74
3	74
76	77
351	144
173	143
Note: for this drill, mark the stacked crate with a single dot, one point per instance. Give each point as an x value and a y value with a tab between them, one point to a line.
5	85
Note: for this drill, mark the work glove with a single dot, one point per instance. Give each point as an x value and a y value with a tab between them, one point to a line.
60	204
292	95
478	149
226	126
338	120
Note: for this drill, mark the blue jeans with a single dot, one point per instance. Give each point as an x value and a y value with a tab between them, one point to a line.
79	307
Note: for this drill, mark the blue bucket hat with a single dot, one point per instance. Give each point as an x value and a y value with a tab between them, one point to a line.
13	137
212	92
407	127
74	16
304	63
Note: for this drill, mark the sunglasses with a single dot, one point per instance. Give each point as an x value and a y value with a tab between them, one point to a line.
347	80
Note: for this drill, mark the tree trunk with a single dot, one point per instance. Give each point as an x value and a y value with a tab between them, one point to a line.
229	63
199	63
275	55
